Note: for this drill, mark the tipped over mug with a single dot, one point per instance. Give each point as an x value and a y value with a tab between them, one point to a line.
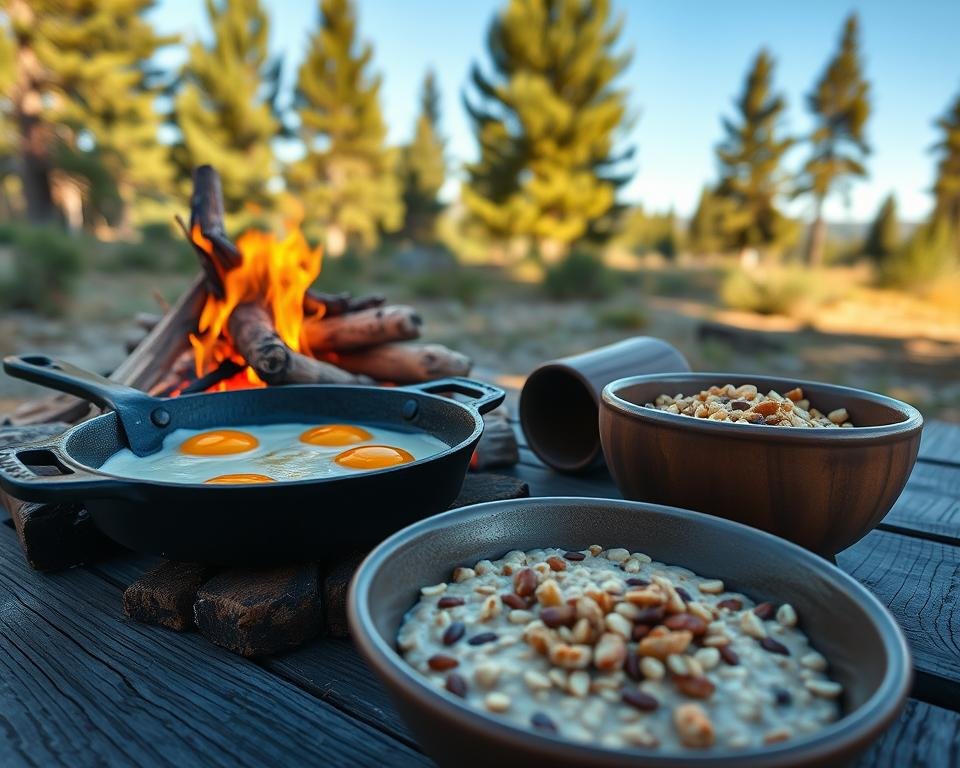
560	401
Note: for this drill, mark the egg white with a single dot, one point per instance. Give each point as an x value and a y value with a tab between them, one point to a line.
280	455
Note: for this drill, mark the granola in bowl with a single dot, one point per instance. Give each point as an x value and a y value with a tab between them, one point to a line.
744	404
610	648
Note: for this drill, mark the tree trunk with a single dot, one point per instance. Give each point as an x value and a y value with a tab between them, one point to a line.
35	138
816	244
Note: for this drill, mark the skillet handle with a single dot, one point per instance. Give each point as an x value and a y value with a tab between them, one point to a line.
485	397
67	485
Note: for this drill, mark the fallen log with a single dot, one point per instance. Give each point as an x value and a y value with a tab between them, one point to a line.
252	332
361	329
404	363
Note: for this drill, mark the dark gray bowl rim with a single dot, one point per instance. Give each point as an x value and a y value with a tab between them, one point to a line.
912	419
849	730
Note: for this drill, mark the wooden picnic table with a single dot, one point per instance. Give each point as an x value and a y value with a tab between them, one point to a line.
80	685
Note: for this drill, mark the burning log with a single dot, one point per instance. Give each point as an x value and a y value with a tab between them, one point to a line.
405	363
206	215
358	330
254	336
334	304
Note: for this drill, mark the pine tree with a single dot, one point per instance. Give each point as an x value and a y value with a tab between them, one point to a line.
348	178
750	157
82	98
705	232
225	109
883	237
947	186
103	96
840	104
546	121
423	166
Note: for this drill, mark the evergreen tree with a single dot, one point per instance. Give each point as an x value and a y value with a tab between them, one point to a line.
546	121
225	109
423	166
947	186
705	232
348	178
883	237
750	156
840	105
82	97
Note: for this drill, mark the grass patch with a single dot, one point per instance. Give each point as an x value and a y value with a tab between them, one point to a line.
632	318
46	265
579	276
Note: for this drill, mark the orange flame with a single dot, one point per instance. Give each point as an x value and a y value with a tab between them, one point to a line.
275	273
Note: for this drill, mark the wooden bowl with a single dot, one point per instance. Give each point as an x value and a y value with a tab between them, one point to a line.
866	649
824	489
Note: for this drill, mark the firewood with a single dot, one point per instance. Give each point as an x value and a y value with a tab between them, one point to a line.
258	611
166	595
334	304
180	370
52	536
206	213
366	328
251	329
405	363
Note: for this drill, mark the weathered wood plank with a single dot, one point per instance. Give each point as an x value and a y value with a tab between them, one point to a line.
924	736
918	580
80	686
940	442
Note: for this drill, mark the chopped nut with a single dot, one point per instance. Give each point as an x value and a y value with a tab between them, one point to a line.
825	689
556	563
617	555
609	652
662	646
783	733
536	681
707	657
436	589
520	617
582	632
615	622
652	668
579	683
559	616
456	684
525	582
752	626
549	593
693	726
695	686
497	702
838	416
646	597
487	673
631	565
711	587
814	661
639	736
490	608
461	574
587	608
786	615
639	700
571	656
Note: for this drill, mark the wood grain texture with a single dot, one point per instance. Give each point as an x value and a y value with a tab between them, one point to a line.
81	687
258	611
918	580
923	736
165	595
940	442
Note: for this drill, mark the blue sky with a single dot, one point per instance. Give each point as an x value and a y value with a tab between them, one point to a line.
690	58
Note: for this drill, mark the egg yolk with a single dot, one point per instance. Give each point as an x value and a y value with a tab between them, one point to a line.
373	457
219	442
241	478
335	434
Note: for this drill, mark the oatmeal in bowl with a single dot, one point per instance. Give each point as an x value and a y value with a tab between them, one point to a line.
611	648
510	675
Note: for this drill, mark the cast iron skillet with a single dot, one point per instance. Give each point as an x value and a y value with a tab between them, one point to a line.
260	523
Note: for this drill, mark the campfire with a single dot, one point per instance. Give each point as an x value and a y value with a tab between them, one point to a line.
250	319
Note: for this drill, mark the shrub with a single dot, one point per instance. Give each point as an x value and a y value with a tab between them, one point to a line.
46	264
631	318
930	254
459	284
580	275
766	291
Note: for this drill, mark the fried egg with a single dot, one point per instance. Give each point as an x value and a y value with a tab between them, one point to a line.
250	454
